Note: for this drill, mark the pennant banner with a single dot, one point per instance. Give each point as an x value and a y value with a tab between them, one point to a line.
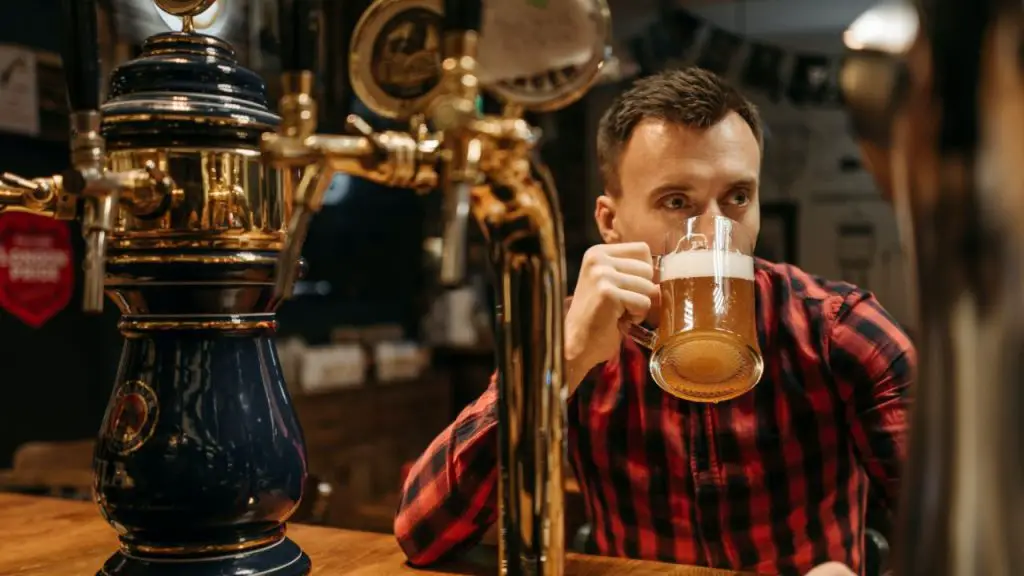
36	266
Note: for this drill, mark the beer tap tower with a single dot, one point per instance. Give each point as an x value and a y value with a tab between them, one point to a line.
200	459
938	90
484	167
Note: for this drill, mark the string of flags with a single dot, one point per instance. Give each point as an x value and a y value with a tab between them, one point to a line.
679	38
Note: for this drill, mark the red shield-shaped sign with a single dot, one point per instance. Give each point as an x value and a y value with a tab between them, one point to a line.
36	276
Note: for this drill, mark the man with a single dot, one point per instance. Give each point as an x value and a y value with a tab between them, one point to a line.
773	482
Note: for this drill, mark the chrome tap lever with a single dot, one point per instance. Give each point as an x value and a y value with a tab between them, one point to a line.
461	175
298	122
454	113
453	239
288	268
80	54
97	224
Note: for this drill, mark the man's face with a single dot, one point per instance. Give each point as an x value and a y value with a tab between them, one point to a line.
669	172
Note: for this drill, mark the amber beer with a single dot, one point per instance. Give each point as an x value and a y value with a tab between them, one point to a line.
705	348
707	338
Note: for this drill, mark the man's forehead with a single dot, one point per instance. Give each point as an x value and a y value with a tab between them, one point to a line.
658	133
657	141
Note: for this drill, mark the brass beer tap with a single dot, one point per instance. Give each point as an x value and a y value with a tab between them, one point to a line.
453	112
389	158
935	90
200	459
427	61
88	190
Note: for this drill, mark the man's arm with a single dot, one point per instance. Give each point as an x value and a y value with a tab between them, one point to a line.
450	495
874	363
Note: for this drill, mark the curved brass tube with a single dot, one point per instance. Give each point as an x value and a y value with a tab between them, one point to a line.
518	213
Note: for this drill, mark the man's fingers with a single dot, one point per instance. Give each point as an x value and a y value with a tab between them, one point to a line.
633	267
637	305
633	283
634	250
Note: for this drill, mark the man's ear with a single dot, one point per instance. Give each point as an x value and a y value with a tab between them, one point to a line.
605	211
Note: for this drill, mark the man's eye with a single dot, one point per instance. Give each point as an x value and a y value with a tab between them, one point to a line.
673	203
739	198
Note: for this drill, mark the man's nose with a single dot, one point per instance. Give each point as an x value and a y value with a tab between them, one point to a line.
711	209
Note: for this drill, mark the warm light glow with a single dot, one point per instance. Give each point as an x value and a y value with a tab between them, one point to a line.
211	21
889	27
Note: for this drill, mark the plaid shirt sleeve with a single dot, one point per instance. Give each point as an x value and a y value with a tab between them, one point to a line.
450	495
874	363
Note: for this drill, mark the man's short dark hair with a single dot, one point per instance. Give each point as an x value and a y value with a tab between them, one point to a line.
691	96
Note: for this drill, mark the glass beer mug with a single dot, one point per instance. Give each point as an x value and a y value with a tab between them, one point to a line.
705	348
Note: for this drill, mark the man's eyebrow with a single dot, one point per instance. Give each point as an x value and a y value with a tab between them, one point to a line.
745	182
672	187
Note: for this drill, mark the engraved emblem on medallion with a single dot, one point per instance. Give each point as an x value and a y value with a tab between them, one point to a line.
406	60
133	416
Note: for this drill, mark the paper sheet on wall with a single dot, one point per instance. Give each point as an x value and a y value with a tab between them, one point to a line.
19	91
526	38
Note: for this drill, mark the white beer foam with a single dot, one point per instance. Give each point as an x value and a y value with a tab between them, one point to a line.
707	264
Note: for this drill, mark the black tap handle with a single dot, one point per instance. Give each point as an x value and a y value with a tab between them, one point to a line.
79	51
298	35
463	15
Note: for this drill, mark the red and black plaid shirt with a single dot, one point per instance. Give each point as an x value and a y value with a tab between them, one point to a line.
773	482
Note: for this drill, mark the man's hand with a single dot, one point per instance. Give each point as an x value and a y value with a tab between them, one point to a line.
615	285
831	569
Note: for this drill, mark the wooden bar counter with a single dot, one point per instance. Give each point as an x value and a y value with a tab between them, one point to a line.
51	537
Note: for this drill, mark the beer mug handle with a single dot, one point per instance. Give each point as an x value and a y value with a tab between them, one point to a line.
642	336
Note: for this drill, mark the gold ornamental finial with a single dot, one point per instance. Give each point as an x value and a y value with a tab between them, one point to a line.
186	10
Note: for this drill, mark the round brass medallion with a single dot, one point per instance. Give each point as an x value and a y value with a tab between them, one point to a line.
182	8
395	56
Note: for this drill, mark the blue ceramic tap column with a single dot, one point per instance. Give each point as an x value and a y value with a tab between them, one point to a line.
200	459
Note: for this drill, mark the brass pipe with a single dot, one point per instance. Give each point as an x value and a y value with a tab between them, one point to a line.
518	213
11	195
